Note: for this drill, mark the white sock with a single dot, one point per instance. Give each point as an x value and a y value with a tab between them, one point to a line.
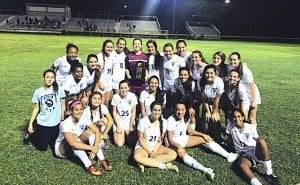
255	181
91	142
215	147
92	139
81	154
268	167
193	163
193	125
162	166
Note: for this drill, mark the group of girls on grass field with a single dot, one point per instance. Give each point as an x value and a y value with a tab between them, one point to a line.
161	102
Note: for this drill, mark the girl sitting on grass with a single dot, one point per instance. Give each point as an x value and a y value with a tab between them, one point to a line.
178	129
149	150
98	114
74	133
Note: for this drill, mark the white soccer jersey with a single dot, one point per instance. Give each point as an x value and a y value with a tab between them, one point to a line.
62	69
151	131
99	115
247	79
245	141
88	76
74	128
242	95
106	75
147	99
72	87
210	91
171	70
151	69
178	128
118	72
198	71
124	106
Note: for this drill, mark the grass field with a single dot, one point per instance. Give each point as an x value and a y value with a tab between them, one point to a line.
23	58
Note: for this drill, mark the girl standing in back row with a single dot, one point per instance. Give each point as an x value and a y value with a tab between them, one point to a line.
62	65
248	81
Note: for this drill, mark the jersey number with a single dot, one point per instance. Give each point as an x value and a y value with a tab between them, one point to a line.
167	71
125	113
152	138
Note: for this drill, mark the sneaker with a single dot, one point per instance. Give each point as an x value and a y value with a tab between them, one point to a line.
26	139
232	157
93	170
105	165
272	179
209	174
173	167
142	168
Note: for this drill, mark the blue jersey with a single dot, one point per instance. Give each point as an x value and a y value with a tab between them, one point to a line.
50	106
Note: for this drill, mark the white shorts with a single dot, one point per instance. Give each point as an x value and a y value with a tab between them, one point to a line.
250	154
181	140
124	125
57	153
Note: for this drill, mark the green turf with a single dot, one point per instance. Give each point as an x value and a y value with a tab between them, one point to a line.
23	58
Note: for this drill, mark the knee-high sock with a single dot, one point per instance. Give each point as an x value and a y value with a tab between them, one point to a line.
193	163
268	167
215	147
99	153
81	154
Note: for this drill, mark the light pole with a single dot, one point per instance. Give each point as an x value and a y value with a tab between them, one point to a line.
173	22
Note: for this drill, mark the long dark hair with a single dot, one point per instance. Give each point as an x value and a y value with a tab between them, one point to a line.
55	85
160	118
240	67
157	56
126	51
159	94
203	80
90	105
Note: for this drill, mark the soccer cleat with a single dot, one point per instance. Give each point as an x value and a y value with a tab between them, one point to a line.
105	165
272	179
26	139
93	170
142	168
173	167
232	157
209	174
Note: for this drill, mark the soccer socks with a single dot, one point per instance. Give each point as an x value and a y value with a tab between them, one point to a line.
215	147
255	181
190	161
268	167
83	157
99	153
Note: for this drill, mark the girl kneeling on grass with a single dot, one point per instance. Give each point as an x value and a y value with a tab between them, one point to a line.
178	127
149	150
124	113
48	110
73	133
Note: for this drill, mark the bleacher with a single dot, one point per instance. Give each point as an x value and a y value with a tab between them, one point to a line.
202	30
139	26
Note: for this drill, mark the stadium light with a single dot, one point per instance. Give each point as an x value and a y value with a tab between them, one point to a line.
227	1
173	22
125	6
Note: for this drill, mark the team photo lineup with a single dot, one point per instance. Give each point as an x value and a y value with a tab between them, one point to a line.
159	103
